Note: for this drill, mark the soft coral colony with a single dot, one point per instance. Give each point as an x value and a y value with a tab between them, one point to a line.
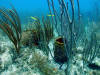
42	33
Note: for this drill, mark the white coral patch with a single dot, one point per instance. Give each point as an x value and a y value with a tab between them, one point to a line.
6	59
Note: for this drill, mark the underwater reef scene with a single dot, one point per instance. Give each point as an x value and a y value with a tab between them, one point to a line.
65	40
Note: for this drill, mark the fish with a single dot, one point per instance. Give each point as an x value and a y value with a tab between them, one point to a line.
33	18
50	15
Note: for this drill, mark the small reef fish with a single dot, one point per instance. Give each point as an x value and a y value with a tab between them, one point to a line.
50	15
33	18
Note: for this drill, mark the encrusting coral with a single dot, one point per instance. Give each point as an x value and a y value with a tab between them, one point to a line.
40	61
29	38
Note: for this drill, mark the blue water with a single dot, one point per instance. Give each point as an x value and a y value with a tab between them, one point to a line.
38	8
90	16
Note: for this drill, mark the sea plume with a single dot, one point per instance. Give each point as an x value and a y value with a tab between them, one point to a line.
10	24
